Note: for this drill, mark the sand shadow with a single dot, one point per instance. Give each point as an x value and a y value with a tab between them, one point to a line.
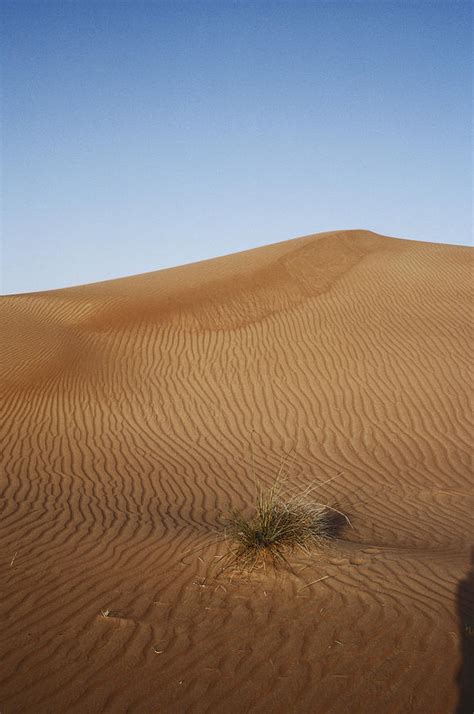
465	608
336	523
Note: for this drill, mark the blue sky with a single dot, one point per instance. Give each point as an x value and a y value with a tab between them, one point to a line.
141	135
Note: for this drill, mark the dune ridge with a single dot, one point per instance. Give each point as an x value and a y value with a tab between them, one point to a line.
127	413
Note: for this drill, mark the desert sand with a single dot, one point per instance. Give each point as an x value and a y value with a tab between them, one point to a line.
127	414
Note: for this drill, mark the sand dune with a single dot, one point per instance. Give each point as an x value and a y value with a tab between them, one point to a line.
127	413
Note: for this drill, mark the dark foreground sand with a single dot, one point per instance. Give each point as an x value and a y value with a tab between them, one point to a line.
126	418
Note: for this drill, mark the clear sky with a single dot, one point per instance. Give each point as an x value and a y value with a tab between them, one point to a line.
141	135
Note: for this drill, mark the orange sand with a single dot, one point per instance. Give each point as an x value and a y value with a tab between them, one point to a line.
126	419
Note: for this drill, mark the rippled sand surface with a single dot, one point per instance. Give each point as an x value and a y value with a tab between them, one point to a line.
128	408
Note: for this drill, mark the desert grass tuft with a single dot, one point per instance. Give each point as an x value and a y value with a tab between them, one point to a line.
278	526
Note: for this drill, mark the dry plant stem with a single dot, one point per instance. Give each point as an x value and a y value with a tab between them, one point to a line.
313	582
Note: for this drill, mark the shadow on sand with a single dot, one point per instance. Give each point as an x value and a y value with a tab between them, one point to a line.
465	607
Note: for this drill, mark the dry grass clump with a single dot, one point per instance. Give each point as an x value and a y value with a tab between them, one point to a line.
279	525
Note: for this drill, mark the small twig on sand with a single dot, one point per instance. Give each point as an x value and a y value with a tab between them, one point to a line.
313	582
13	559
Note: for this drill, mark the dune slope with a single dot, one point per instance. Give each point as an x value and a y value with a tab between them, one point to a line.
127	414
